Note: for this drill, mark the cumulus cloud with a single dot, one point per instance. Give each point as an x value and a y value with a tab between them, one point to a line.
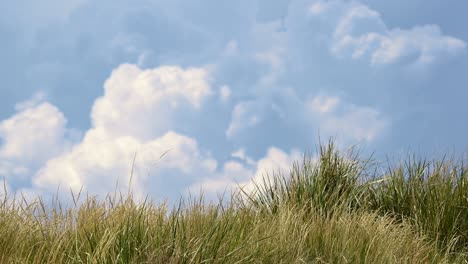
120	147
141	103
248	173
100	161
124	146
275	162
36	133
267	76
134	117
232	174
359	32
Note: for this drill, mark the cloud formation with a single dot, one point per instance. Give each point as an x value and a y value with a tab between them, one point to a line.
359	32
100	161
36	133
140	102
121	147
227	88
133	117
123	130
248	173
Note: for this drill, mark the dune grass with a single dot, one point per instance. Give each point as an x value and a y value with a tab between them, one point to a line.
328	210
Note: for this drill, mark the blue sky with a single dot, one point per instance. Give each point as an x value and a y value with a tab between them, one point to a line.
231	88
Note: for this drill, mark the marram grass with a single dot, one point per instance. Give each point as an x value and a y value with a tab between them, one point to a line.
328	210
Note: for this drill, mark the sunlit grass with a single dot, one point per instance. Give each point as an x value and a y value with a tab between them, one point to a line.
328	210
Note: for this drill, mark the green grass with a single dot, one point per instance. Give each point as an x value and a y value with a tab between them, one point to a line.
328	210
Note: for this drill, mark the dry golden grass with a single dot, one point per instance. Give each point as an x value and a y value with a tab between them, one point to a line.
324	212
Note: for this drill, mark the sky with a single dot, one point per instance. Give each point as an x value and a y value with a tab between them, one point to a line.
172	97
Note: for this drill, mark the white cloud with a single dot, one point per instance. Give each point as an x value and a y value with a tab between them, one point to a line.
134	116
105	154
133	97
232	174
141	103
276	162
34	134
235	174
360	32
140	107
101	160
32	102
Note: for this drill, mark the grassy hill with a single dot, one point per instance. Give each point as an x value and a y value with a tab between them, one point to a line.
334	209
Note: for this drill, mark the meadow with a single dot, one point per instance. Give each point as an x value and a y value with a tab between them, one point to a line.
337	208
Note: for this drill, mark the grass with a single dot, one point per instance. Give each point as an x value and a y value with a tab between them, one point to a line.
328	210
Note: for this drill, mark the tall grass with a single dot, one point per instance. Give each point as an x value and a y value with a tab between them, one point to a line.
433	195
328	210
329	183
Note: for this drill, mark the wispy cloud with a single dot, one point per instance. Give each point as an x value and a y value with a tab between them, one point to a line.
354	123
244	115
360	33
